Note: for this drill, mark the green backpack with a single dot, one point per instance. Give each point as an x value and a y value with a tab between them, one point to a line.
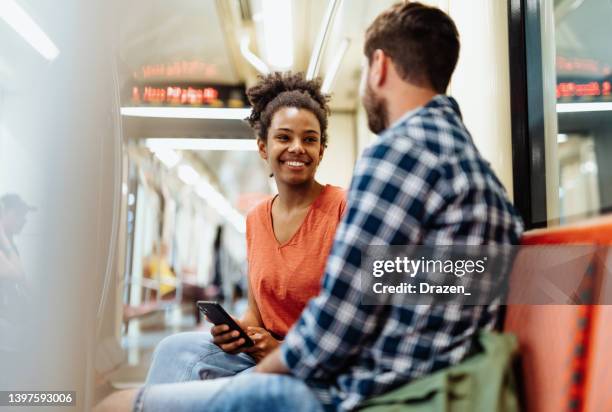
483	382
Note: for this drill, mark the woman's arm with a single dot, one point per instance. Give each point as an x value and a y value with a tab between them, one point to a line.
252	316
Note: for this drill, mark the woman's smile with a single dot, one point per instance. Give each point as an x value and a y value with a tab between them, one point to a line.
295	164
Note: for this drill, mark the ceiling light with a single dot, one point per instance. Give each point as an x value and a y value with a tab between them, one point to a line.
584	107
278	33
201	144
23	24
210	113
250	57
324	33
332	71
188	175
167	156
218	202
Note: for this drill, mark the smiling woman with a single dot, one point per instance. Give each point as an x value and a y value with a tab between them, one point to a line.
289	236
293	150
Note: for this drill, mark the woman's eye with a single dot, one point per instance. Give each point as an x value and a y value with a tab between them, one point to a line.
311	139
283	138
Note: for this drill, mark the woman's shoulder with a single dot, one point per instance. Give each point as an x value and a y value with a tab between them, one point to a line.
260	210
336	192
334	199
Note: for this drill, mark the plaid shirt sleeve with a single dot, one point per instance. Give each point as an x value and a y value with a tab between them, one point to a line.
394	190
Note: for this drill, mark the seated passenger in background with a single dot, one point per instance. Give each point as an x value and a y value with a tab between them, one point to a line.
289	236
156	267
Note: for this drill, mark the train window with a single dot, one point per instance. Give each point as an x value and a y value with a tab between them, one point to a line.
563	134
584	107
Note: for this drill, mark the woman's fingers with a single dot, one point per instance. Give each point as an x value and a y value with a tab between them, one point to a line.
252	349
227	337
257	333
232	346
219	329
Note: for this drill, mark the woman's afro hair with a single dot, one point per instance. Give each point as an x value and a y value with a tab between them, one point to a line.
278	90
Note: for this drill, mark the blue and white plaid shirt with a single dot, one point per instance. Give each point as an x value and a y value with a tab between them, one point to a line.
422	182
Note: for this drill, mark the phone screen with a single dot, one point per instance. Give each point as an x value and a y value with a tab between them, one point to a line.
217	315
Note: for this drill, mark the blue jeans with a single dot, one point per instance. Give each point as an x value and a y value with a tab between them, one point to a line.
247	392
191	356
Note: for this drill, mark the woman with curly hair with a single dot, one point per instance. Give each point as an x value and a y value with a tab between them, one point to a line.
289	236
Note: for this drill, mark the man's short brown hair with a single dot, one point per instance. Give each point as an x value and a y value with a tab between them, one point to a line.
422	42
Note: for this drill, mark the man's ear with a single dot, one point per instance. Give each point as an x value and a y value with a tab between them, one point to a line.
263	149
378	69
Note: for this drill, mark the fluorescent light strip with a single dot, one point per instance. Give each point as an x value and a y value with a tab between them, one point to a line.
156	144
210	113
23	24
251	57
584	107
167	156
332	72
188	174
278	33
208	193
218	202
317	53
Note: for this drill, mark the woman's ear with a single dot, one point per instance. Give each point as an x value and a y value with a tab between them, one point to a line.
321	151
263	149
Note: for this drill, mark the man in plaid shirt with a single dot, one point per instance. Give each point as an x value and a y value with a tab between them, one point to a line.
422	182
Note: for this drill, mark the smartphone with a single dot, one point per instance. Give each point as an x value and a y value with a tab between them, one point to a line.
217	315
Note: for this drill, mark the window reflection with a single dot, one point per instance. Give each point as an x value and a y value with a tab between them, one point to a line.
584	107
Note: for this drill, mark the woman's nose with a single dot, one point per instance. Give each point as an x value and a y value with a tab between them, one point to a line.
296	146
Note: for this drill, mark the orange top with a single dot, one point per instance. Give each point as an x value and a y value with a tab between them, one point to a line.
284	277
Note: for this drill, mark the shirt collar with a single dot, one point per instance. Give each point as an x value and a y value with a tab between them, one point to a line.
437	101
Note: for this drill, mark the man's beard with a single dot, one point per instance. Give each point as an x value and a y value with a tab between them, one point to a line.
376	110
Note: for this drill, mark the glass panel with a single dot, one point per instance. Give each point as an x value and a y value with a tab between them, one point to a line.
584	110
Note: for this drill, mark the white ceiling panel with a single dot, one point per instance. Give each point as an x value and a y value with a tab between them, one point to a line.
180	40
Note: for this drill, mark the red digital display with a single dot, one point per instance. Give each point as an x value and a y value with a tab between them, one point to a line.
176	95
176	70
590	89
567	65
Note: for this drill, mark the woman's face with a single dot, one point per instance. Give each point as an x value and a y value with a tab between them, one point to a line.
293	147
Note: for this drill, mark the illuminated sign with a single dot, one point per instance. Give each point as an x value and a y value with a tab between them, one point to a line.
176	70
589	67
583	80
589	89
188	95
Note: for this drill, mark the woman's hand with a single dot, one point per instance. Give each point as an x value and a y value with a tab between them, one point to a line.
228	340
264	343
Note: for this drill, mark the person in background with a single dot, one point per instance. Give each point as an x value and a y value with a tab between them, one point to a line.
15	287
13	217
156	267
422	182
288	236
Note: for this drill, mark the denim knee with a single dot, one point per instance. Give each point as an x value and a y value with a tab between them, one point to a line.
176	355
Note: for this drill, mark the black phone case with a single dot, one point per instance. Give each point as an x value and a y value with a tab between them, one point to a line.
217	315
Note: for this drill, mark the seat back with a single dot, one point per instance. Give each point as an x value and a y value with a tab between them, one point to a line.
564	347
